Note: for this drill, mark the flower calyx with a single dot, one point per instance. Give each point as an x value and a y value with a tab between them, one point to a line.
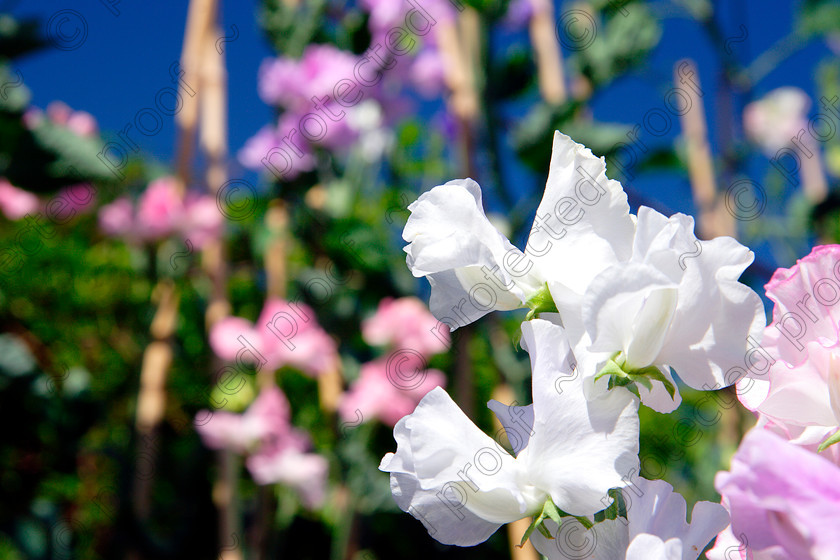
540	302
550	511
621	376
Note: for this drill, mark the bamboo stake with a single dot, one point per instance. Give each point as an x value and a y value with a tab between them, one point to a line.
547	53
713	220
200	17
213	142
811	173
504	394
157	358
151	400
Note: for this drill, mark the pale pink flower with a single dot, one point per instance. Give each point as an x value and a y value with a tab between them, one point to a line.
797	388
79	198
59	112
16	203
389	389
406	323
83	124
32	118
275	448
160	210
286	334
306	473
427	73
775	119
203	221
783	497
292	83
117	218
266	422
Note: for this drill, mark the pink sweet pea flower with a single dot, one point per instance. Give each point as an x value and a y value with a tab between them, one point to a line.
77	198
117	218
285	334
83	124
59	112
389	389
427	73
406	323
783	496
305	472
266	422
799	389
276	449
203	221
16	203
160	210
293	83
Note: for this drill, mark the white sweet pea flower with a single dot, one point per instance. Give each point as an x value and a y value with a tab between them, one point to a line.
637	295
654	529
470	265
569	451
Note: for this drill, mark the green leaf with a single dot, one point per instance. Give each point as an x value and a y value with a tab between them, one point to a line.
834	438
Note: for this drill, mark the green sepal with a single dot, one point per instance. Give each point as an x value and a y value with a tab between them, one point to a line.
832	439
545	532
618	507
528	532
540	302
612	369
550	511
654	372
618	377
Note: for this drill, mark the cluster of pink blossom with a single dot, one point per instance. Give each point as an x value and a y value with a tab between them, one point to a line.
390	387
783	488
277	452
286	334
161	211
81	123
15	203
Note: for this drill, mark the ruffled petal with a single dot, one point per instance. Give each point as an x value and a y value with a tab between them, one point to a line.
446	454
583	218
472	268
580	448
518	422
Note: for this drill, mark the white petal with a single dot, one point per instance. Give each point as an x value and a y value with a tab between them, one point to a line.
607	540
707	520
583	224
452	242
580	449
655	509
650	547
658	398
441	515
715	318
629	308
518	422
442	453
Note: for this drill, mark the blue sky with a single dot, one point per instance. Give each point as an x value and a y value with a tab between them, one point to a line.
125	59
